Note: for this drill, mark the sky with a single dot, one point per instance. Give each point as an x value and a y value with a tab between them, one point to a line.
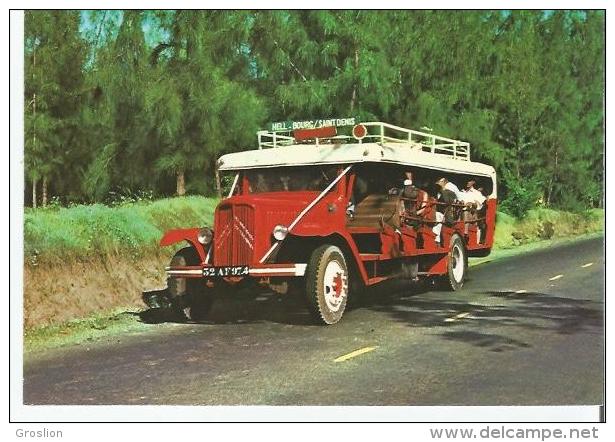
91	20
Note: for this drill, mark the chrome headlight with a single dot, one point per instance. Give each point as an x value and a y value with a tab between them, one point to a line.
205	235
280	232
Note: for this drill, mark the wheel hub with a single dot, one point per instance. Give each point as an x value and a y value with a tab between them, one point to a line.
457	263
335	285
338	284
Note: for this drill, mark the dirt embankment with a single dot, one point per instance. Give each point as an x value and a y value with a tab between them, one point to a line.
54	294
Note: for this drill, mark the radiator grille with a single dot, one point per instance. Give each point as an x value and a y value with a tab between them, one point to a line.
234	236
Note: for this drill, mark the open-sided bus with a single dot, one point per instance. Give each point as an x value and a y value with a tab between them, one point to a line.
316	210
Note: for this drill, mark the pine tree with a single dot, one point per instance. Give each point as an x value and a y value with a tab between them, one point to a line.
126	101
54	55
197	111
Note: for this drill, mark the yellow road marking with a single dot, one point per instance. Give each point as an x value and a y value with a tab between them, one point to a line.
459	316
521	291
556	277
587	265
353	354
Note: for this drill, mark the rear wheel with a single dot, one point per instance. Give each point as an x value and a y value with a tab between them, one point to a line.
327	284
190	297
457	263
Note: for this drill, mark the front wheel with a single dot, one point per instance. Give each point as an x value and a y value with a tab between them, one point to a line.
327	284
190	297
457	263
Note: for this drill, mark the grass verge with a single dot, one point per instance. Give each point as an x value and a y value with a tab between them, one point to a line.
543	224
78	233
120	321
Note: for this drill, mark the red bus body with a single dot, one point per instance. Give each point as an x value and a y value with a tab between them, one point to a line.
243	226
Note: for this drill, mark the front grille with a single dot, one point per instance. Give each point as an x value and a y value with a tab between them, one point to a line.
234	235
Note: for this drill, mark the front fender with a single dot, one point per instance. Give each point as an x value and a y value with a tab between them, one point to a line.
190	235
340	238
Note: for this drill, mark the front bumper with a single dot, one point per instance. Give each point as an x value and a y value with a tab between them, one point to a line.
258	271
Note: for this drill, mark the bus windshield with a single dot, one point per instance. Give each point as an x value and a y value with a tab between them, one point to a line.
291	179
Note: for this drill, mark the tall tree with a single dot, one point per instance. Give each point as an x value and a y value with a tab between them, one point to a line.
54	55
197	110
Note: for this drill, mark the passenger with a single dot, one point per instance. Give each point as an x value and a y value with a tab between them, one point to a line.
483	192
472	195
416	202
446	184
429	212
260	184
285	182
415	206
448	195
473	201
432	213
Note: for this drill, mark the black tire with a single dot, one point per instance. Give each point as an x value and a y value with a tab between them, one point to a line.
327	299
457	266
358	289
190	297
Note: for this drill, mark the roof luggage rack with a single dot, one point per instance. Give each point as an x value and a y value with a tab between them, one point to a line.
378	132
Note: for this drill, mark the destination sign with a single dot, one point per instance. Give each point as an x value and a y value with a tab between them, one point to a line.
287	126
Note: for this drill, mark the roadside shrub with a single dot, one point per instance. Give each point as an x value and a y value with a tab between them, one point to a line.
520	198
546	230
542	223
504	228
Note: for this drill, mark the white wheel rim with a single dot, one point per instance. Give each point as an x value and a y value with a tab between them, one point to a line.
458	263
335	285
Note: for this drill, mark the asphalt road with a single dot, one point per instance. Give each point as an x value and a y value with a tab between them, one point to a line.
517	334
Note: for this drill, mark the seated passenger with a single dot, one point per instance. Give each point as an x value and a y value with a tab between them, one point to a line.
447	185
416	202
260	184
448	195
474	200
431	213
472	196
285	183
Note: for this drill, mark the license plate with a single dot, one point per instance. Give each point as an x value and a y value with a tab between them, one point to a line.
226	271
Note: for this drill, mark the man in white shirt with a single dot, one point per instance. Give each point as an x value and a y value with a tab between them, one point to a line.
446	184
474	201
472	195
448	195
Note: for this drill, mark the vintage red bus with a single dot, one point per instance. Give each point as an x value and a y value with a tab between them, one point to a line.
319	211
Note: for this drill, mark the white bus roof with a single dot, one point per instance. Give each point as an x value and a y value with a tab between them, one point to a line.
311	155
391	145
